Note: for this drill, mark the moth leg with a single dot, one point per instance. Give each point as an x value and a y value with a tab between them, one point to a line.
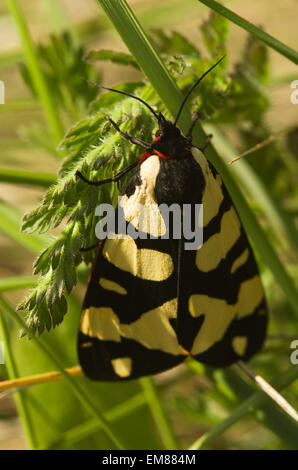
208	140
133	140
108	180
195	120
89	248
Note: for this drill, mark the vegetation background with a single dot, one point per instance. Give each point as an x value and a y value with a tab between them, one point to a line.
245	102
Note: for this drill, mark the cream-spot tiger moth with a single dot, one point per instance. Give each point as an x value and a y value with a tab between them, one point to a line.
150	303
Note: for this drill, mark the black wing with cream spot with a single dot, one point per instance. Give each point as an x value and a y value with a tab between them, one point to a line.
222	311
126	325
129	314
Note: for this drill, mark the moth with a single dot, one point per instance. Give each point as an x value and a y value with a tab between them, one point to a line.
151	303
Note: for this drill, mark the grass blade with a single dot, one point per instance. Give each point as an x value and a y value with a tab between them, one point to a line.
13	373
266	38
49	108
77	390
269	390
158	414
250	405
18	282
139	45
10	222
32	178
88	428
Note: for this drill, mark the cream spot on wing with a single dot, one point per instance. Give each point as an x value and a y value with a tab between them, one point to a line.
218	245
218	314
240	260
153	329
250	295
150	265
141	209
101	323
122	366
212	195
239	344
217	317
149	171
111	285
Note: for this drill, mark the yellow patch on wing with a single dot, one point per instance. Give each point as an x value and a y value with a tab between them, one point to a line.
153	329
240	260
250	295
218	314
101	323
239	344
111	285
122	366
141	209
218	245
212	195
150	265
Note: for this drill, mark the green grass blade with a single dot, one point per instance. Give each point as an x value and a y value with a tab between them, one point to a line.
161	15
49	108
270	414
13	374
32	178
139	45
10	222
17	282
77	390
266	38
250	405
77	434
158	414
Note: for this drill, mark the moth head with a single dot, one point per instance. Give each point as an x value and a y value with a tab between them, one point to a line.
167	128
169	141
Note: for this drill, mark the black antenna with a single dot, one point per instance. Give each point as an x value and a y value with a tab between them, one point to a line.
193	87
158	116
